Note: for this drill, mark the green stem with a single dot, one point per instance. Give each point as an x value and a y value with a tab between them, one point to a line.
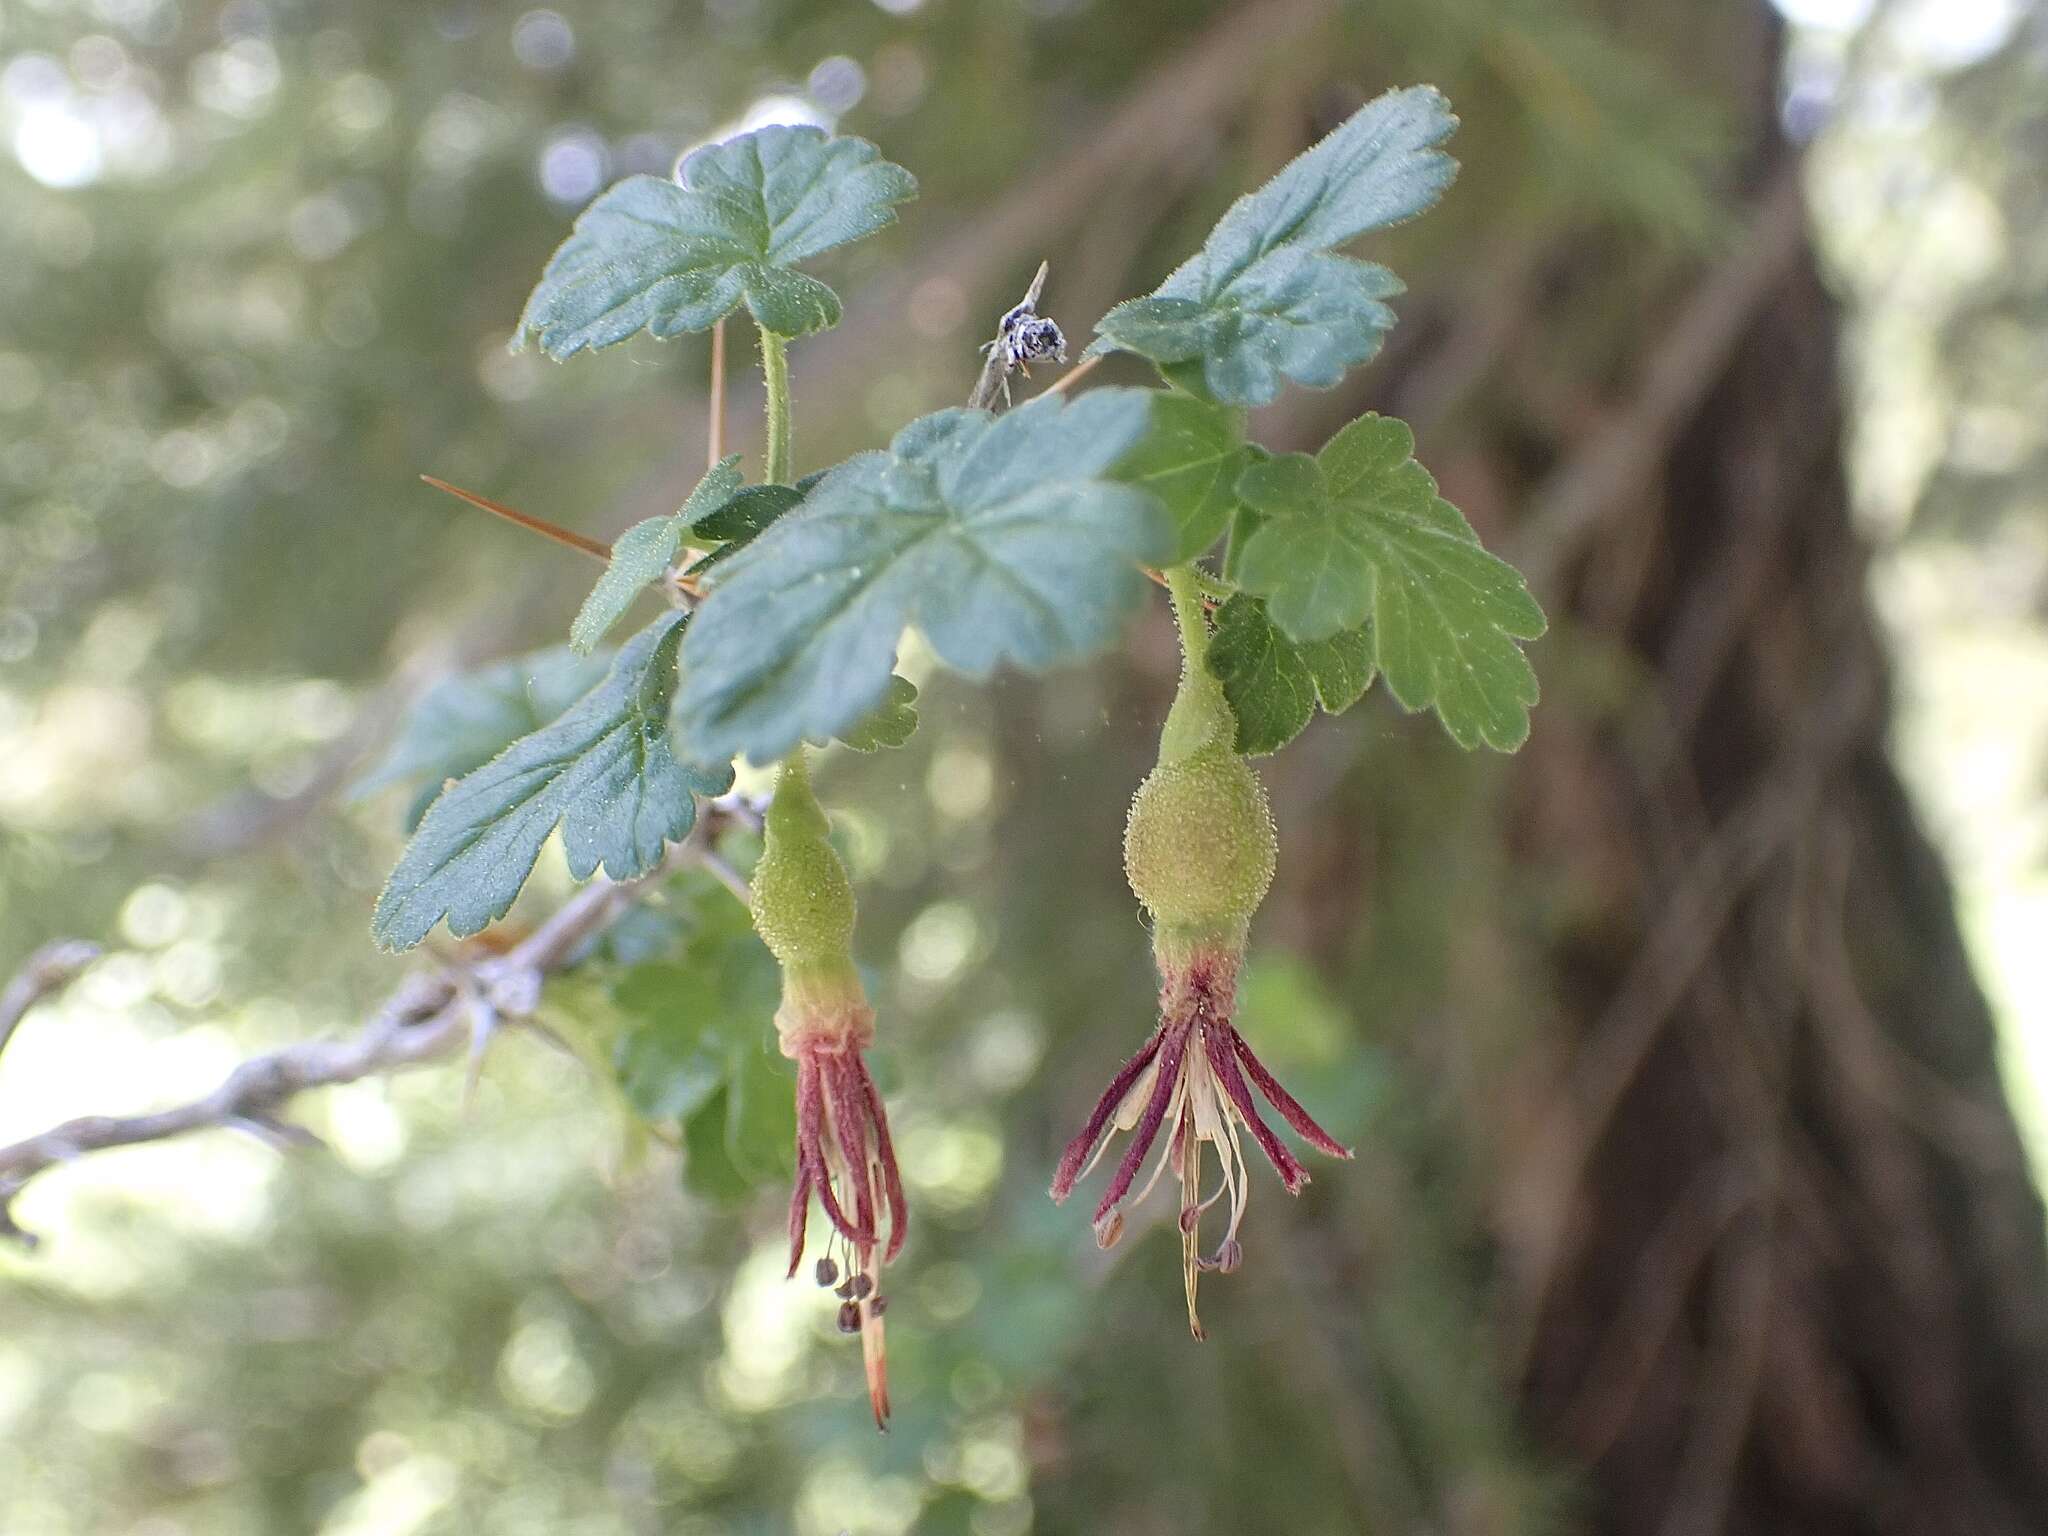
793	796
795	769
1200	716
1184	585
775	368
1227	566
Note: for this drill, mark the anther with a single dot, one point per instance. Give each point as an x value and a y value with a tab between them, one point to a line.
861	1286
828	1272
849	1317
1109	1229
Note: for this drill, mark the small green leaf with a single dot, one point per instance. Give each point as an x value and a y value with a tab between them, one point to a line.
760	1113
708	1169
740	521
1266	296
644	932
604	771
1000	538
1190	460
670	1071
676	256
889	724
645	551
745	1134
463	722
693	1016
1273	683
1359	533
692	1019
1304	557
698	1047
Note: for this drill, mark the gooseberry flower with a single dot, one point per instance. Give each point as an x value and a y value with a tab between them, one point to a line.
803	909
1199	850
1192	1083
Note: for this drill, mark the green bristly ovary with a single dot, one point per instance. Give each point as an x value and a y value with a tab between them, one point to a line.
1199	848
803	902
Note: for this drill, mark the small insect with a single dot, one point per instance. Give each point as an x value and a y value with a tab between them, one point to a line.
1022	337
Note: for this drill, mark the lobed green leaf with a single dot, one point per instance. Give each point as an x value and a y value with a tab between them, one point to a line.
464	721
1274	684
674	256
1190	460
697	1049
1359	533
604	771
743	1138
689	1017
1002	539
644	552
740	521
1266	297
891	723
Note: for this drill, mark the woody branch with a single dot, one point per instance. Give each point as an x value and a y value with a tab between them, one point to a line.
428	1017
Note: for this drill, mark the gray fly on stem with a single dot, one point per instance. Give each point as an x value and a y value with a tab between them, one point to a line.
1022	337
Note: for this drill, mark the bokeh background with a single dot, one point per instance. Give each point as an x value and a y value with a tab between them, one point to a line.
1695	1056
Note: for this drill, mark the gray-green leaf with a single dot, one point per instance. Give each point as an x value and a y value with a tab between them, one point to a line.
1359	533
1266	296
740	521
676	256
645	551
696	1048
1275	684
604	771
690	1018
1000	538
464	721
1190	460
889	724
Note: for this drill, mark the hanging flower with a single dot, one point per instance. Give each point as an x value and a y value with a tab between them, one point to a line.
1199	850
804	910
1189	1081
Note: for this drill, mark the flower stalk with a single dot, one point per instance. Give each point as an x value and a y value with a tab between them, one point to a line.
775	375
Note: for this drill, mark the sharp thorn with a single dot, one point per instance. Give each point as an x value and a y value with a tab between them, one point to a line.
547	530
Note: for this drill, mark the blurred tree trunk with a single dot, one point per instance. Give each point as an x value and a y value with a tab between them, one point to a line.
1773	1261
1771	1228
1771	1258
